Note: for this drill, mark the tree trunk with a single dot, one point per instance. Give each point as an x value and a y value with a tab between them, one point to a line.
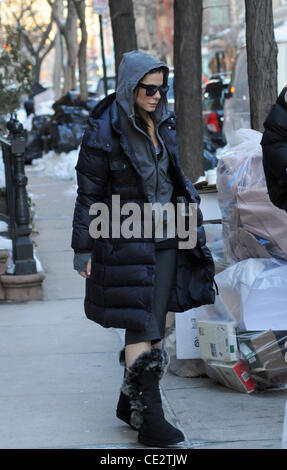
187	84
70	33
123	26
58	61
146	27
37	68
261	60
82	55
68	29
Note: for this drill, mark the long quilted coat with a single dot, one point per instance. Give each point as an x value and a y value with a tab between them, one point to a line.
119	290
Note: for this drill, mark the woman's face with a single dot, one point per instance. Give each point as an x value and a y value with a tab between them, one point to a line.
149	103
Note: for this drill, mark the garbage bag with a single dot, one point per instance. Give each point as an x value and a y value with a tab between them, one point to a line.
252	226
29	106
67	114
243	335
41	124
34	146
252	293
215	243
243	360
265	355
66	137
69	99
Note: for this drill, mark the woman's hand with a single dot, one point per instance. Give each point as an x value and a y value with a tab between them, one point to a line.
88	270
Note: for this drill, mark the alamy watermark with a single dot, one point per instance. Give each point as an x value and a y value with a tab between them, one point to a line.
174	219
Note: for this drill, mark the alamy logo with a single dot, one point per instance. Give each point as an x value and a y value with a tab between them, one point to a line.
131	220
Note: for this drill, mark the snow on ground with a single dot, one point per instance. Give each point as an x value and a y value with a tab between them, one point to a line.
58	165
6	244
26	121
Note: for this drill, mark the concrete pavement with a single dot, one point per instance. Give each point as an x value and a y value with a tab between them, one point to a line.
60	376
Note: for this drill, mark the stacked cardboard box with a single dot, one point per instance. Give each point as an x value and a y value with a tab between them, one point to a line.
241	360
219	348
265	353
187	343
234	375
217	340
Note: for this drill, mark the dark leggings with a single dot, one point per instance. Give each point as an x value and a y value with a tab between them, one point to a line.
164	275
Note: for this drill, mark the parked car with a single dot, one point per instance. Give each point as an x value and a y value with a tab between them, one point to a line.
170	94
213	98
209	148
97	91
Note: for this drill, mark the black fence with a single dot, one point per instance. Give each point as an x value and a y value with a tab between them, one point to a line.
18	214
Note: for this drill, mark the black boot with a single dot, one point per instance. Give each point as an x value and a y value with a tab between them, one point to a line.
123	407
141	384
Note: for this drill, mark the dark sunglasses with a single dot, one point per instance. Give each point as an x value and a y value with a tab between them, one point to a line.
152	89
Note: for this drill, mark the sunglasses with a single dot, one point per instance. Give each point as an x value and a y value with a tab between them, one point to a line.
152	89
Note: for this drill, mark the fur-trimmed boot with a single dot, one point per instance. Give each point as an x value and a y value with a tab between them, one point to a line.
123	411
141	384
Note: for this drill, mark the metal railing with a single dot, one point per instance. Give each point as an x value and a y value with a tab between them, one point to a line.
18	218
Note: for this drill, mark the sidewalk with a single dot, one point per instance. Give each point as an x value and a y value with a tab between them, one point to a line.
60	376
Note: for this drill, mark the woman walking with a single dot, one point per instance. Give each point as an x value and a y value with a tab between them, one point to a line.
130	150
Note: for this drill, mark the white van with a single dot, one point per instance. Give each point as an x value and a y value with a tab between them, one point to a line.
237	107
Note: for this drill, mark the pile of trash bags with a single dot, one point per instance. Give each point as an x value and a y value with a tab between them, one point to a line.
242	338
61	131
252	227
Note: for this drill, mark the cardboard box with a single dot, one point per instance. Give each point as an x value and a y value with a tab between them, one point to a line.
265	355
232	375
186	334
217	340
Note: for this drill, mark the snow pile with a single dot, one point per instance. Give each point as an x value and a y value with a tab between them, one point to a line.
26	121
58	165
6	244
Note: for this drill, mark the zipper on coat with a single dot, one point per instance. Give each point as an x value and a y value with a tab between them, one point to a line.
156	168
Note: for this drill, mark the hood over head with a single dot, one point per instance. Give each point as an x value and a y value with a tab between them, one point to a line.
134	65
282	98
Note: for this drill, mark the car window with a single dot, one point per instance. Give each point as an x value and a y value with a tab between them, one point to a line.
213	95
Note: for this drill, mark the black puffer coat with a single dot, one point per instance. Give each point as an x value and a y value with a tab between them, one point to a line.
274	145
119	290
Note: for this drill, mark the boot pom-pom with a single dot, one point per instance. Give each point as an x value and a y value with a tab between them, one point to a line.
136	419
137	408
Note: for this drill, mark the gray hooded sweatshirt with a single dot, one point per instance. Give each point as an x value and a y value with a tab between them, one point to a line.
153	162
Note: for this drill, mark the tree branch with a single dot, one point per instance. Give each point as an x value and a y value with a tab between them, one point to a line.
49	48
59	21
46	34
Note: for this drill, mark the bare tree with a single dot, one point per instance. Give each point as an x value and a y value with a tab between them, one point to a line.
82	54
187	84
123	26
68	28
58	59
261	60
146	27
35	32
